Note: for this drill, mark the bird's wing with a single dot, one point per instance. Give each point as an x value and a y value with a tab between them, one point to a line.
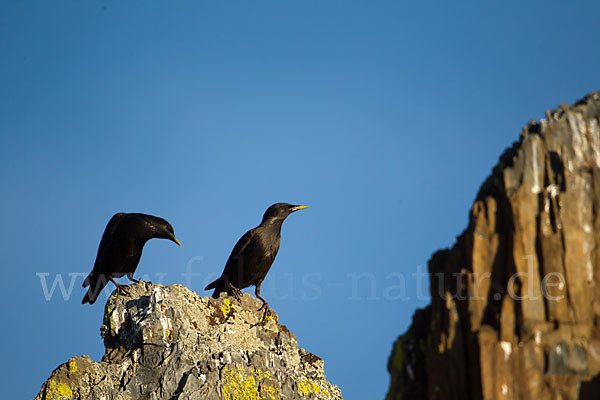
231	268
104	243
107	236
243	243
110	230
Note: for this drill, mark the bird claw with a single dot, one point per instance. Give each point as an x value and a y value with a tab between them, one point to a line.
237	294
123	290
266	314
132	279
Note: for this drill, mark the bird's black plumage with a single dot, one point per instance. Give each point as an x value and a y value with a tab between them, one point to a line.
121	248
253	255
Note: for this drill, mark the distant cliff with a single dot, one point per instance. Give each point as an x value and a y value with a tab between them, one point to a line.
165	342
515	303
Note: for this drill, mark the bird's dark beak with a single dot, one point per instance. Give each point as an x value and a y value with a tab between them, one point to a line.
296	208
176	241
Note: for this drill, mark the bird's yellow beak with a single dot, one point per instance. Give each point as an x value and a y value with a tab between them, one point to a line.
176	241
299	208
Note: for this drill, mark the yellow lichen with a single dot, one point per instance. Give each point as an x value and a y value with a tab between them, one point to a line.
307	386
227	307
250	384
58	390
108	321
167	334
72	366
270	392
267	317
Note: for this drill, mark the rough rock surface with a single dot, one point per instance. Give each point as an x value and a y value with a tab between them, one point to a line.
515	303
166	342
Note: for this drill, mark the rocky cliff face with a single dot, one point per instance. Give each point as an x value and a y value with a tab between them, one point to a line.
165	342
516	302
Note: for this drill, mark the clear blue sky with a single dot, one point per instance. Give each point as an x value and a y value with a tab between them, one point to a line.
384	117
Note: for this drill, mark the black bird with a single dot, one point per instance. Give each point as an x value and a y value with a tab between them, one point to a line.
121	248
253	255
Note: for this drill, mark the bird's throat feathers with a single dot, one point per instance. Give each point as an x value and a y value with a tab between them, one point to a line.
272	224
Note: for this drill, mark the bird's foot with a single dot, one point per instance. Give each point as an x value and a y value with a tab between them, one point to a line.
123	290
236	293
267	314
132	279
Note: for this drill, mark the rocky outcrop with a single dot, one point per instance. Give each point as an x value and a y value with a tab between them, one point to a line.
515	303
166	342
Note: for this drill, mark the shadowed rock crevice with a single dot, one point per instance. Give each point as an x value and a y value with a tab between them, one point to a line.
166	342
522	320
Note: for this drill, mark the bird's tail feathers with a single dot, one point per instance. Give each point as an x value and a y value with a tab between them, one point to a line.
86	281
218	286
96	284
213	284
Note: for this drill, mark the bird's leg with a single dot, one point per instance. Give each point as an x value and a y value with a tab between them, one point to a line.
237	293
132	279
265	303
120	288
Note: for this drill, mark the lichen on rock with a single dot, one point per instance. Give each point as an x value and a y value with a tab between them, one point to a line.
166	342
